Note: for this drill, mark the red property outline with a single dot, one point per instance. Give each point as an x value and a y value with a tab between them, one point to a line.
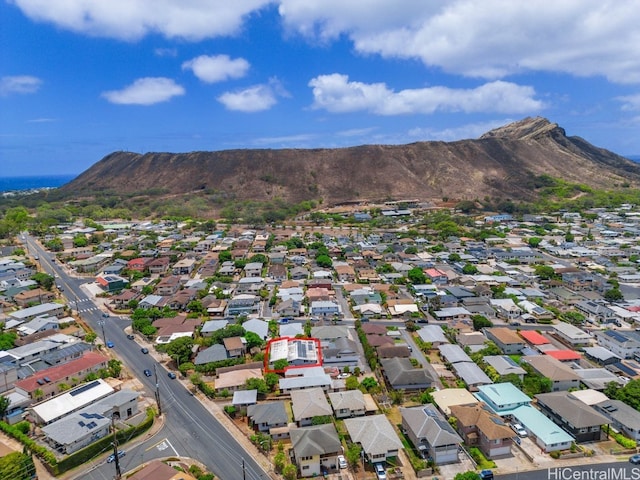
267	354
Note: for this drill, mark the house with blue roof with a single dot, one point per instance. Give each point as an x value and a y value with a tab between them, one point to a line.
503	398
547	435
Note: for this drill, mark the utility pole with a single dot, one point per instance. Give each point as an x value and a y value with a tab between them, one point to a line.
104	336
155	371
244	474
115	447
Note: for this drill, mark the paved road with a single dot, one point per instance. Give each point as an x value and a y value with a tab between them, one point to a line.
190	429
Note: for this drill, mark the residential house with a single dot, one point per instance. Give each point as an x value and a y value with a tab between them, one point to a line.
431	434
235	346
308	404
506	308
269	417
234	379
36	296
621	417
215	353
315	449
325	309
621	343
249	285
349	403
481	427
506	339
156	470
158	266
561	375
183	266
574	416
253	270
39	324
505	365
26	314
243	305
400	374
376	436
340	352
168	285
277	272
502	397
595	312
572	335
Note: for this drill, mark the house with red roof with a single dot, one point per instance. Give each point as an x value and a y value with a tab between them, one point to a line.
49	380
533	338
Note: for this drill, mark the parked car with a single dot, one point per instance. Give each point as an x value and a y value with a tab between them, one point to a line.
147	373
171	375
342	462
635	459
110	344
284	320
112	457
381	473
519	429
486	475
144	350
130	336
343	375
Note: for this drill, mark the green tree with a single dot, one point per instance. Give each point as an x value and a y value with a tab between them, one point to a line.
324	261
416	276
480	322
272	380
469	269
370	384
280	364
470	475
17	466
629	394
8	340
180	349
257	384
352	455
253	340
351	382
4	405
115	367
613	295
534	242
224	256
90	337
290	472
44	280
80	241
545	272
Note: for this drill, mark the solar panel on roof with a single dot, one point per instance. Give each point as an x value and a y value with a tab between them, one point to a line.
497	421
84	388
47	379
40	381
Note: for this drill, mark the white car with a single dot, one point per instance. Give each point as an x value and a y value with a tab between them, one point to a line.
344	375
381	474
342	462
519	429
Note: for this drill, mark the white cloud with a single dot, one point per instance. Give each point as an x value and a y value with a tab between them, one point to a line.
19	84
42	120
470	130
254	99
166	52
335	93
484	38
630	102
217	68
133	19
145	91
286	141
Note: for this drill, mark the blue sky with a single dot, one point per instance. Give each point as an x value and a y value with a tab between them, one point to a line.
80	79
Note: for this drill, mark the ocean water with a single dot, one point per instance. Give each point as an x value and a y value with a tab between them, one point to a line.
8	184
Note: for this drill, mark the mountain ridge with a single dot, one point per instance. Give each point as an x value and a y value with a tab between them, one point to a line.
500	164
